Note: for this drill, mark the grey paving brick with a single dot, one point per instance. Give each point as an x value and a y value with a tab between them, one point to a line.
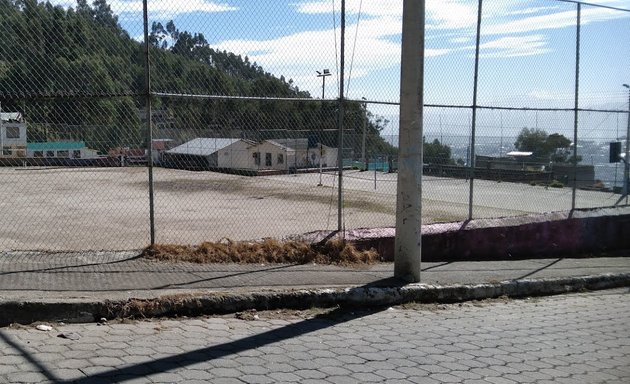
106	361
226	372
285	377
446	378
256	379
310	374
367	377
27	377
6	369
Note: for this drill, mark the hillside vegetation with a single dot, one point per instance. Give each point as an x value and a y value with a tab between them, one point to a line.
76	74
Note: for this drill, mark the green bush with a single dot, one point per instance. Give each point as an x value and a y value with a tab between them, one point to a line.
556	184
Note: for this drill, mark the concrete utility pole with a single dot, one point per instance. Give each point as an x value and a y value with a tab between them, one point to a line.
408	203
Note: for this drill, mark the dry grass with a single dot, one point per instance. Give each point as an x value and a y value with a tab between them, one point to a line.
268	251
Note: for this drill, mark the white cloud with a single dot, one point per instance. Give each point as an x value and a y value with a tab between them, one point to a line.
532	10
514	47
443	14
461	40
369	7
550	21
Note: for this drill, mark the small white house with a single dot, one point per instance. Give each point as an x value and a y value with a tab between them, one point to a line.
12	134
246	154
324	154
222	153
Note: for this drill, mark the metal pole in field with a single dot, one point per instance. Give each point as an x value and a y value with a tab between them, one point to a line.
407	244
626	173
363	139
575	113
340	118
147	90
474	115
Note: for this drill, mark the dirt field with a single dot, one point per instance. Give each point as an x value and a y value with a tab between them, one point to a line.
108	208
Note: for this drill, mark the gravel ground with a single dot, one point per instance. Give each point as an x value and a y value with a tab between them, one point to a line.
108	208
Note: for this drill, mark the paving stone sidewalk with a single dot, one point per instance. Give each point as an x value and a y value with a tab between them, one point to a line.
576	338
27	275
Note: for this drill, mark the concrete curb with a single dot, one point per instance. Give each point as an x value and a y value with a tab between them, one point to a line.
208	303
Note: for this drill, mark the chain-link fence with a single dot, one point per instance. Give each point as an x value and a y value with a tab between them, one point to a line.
126	123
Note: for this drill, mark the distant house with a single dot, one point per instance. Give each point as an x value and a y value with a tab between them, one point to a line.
251	155
197	154
60	150
12	134
235	154
309	156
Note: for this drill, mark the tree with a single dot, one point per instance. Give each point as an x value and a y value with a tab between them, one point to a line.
436	152
531	140
544	147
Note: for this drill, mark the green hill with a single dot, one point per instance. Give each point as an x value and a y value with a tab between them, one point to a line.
76	74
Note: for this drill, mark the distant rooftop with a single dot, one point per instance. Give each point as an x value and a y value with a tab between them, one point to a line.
203	146
11	116
519	154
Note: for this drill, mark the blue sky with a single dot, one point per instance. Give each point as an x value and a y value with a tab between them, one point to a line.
527	47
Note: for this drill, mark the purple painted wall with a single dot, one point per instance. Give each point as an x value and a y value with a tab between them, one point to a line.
583	233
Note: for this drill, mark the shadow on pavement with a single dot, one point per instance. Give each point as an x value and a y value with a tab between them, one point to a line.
183	360
188	283
539	269
62	267
31	359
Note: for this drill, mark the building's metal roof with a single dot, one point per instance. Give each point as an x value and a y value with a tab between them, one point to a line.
519	153
296	144
11	116
282	146
203	146
55	146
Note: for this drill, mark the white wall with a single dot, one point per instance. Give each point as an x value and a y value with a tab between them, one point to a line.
19	141
240	155
235	155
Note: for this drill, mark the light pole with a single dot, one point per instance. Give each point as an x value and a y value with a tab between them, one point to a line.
626	160
365	121
325	73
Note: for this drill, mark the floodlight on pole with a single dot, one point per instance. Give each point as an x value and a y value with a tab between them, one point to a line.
325	73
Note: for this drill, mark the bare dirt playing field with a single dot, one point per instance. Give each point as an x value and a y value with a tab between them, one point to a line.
108	208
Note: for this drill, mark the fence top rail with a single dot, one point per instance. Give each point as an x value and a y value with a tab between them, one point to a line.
362	101
594	5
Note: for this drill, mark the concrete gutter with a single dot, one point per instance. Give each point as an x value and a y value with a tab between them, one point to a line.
209	303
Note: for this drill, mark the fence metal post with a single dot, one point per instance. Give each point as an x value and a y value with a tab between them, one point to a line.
473	128
407	247
575	118
340	118
147	90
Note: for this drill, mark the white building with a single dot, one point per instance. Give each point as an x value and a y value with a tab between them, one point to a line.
309	157
12	135
237	154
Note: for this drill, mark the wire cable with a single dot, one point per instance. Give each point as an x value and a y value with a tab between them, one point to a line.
335	39
354	47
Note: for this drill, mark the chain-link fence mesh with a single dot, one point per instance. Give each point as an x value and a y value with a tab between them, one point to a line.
248	136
